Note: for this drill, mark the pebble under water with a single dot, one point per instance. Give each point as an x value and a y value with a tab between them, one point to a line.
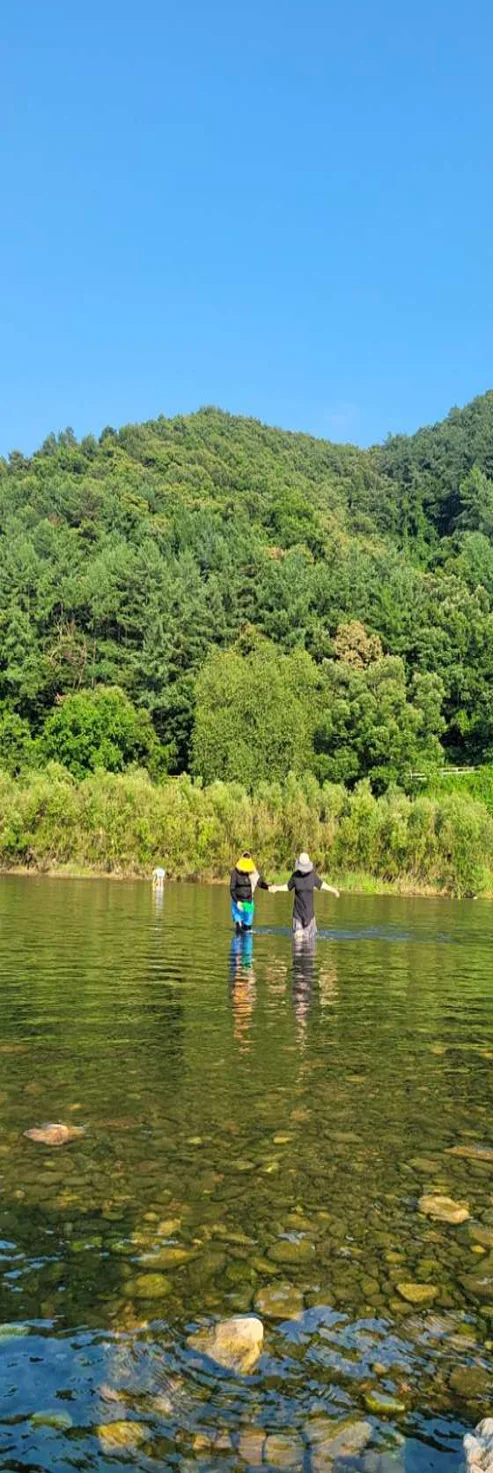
258	1132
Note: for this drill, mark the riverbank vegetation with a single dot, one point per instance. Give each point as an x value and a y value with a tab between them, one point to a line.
113	823
258	609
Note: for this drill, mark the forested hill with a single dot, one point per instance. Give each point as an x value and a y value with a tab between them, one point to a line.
265	601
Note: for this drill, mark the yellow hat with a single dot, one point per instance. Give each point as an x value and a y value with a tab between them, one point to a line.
245	864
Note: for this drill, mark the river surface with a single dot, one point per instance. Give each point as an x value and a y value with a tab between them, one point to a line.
258	1130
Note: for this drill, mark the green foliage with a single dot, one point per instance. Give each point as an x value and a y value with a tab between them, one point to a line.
473	783
134	560
17	749
476	503
100	729
254	715
370	728
125	822
428	469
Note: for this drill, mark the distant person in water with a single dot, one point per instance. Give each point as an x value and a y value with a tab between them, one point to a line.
304	881
245	880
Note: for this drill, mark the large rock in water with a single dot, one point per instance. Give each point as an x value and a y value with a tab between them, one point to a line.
443	1209
476	1151
478	1448
417	1293
234	1344
54	1134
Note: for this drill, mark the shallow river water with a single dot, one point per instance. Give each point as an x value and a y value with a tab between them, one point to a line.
259	1129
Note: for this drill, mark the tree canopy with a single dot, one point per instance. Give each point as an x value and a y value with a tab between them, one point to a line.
259	600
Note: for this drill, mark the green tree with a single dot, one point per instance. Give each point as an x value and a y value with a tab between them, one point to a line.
17	749
476	503
371	726
255	715
128	561
98	729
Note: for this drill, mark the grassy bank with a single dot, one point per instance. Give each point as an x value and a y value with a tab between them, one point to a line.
125	824
349	882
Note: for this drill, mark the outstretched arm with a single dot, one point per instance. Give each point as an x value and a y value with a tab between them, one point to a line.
331	889
274	889
262	883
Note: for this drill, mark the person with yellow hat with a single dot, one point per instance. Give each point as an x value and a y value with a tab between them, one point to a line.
304	881
245	879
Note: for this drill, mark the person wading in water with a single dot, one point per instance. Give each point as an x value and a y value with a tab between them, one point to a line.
304	881
245	879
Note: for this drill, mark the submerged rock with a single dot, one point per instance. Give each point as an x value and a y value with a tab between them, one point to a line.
417	1293
481	1234
169	1257
443	1209
330	1440
470	1382
292	1251
382	1404
110	1393
168	1226
265	1267
54	1134
235	1344
423	1163
473	1152
114	1436
279	1301
478	1448
149	1286
480	1286
211	1441
251	1445
59	1421
284	1450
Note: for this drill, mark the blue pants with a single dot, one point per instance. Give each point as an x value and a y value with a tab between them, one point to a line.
243	915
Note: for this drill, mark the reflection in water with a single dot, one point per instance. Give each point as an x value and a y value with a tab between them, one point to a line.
311	978
158	899
303	979
222	1163
242	986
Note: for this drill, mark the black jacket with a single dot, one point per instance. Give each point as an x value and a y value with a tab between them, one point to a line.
242	887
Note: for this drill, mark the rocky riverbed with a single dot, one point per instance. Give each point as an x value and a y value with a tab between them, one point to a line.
188	1138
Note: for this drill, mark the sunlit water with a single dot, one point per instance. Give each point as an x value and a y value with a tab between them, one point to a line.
276	1119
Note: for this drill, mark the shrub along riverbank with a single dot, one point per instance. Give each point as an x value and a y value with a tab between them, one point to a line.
125	824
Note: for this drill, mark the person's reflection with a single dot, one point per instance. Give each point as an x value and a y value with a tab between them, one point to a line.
242	986
303	979
157	899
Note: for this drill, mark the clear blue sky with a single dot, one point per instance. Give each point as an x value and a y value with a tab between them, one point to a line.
283	209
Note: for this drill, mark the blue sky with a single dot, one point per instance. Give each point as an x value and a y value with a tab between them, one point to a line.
285	210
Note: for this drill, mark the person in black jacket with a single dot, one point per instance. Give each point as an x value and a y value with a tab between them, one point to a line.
304	881
245	879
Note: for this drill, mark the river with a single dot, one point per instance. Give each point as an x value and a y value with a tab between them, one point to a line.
257	1130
